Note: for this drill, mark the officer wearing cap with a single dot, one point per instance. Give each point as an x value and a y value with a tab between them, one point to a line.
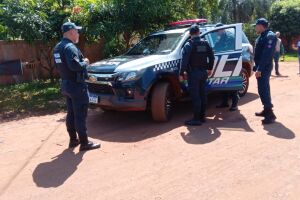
263	56
71	66
197	58
226	42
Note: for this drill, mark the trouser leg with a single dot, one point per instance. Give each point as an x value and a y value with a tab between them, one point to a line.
276	61
80	115
70	123
203	97
194	87
264	90
235	98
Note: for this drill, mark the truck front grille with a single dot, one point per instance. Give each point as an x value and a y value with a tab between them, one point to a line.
100	88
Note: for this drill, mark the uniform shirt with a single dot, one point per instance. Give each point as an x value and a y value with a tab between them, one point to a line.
264	50
186	54
69	61
278	44
298	45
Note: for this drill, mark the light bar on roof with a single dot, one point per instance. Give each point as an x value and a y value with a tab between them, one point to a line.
188	21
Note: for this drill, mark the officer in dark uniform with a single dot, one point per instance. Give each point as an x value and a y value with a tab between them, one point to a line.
71	66
197	58
264	50
226	42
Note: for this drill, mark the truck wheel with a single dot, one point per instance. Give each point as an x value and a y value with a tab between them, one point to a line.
161	102
245	77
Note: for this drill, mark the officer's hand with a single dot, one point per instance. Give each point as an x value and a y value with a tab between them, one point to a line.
258	74
86	60
209	72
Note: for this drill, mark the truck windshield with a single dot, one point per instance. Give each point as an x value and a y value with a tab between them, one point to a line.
156	44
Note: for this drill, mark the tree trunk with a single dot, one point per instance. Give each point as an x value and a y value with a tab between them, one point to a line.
289	43
127	37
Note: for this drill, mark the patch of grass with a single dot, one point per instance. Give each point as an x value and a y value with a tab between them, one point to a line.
290	57
29	99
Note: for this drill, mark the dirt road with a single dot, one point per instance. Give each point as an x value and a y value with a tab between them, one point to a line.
231	157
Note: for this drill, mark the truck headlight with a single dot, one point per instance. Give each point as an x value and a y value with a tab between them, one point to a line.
128	76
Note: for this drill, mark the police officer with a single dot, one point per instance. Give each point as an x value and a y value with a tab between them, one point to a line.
197	58
264	51
71	66
226	42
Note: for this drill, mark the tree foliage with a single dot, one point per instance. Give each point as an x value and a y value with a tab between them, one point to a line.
285	17
36	20
119	22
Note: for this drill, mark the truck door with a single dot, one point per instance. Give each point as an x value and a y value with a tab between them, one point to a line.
226	42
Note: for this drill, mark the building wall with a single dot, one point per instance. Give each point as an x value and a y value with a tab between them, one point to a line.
27	53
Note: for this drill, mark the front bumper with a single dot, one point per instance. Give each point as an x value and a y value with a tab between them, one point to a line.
113	102
116	97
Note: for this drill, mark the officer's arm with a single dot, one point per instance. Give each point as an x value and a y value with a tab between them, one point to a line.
211	57
186	53
267	53
73	61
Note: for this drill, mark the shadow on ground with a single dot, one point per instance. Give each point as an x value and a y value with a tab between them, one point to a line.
127	127
58	170
278	130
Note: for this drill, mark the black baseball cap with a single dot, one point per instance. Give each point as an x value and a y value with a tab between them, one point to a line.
194	29
69	26
262	21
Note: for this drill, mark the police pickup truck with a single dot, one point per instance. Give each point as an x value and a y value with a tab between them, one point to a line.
147	76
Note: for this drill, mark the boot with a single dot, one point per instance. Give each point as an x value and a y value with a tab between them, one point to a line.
269	117
260	114
223	105
86	145
233	107
195	121
202	118
73	143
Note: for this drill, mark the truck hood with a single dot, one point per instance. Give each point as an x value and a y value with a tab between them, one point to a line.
126	63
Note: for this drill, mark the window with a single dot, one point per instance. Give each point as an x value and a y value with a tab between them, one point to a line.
245	39
156	44
222	40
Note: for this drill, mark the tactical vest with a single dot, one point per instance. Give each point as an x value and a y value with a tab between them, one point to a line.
61	64
199	56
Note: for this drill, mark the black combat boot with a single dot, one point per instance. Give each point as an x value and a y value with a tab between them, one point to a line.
195	121
269	116
233	106
261	114
73	143
202	118
223	105
86	145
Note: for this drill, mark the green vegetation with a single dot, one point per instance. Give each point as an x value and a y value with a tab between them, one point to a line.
117	22
285	16
30	99
291	57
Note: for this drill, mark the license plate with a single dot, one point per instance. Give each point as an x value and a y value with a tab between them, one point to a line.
93	99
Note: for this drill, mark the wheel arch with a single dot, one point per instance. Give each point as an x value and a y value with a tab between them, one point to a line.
170	78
